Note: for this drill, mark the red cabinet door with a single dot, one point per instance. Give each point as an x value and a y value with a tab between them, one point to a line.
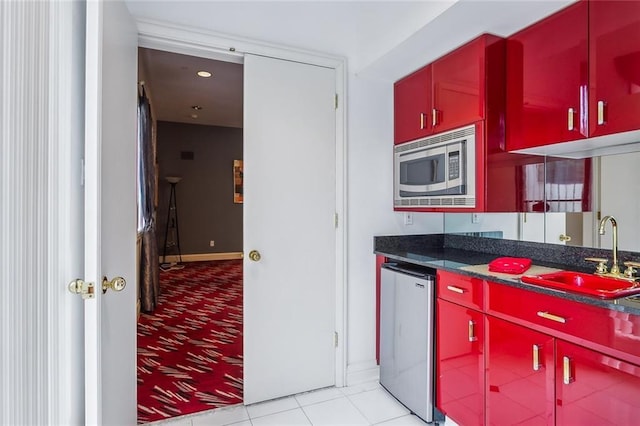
614	61
519	375
460	363
412	106
592	388
547	77
458	87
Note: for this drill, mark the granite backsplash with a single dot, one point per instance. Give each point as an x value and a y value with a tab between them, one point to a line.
547	253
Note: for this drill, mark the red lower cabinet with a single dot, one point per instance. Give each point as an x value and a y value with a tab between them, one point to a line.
519	375
460	363
503	359
595	389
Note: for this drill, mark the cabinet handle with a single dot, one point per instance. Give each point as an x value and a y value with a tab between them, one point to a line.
434	117
423	119
572	113
547	315
567	378
472	331
601	106
536	357
455	289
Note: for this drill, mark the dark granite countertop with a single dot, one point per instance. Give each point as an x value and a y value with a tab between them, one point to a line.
452	252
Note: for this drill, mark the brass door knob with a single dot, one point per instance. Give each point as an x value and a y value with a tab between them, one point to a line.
82	288
254	255
116	284
564	237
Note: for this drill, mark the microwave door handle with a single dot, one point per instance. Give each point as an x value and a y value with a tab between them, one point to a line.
434	170
463	161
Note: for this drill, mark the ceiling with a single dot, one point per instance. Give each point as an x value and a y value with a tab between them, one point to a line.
379	39
360	31
175	88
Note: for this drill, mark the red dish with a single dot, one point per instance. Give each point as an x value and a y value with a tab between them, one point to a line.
510	265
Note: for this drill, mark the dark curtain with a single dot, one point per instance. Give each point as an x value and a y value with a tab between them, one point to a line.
149	264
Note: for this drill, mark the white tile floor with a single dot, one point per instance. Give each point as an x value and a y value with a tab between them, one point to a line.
365	404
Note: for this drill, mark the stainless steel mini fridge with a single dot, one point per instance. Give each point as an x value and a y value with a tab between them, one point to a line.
407	336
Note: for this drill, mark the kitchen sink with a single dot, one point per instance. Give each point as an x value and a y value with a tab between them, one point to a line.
587	284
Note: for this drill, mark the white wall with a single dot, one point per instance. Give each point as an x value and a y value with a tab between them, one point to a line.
370	206
619	177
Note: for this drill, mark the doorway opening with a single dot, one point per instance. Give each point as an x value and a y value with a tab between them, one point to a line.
190	346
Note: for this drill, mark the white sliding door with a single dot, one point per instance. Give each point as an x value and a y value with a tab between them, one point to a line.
289	207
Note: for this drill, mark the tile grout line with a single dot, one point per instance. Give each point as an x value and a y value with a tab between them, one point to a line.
276	412
342	396
307	416
356	407
383	421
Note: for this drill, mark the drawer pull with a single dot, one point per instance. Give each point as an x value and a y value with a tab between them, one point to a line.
455	289
567	377
423	119
547	315
536	357
472	331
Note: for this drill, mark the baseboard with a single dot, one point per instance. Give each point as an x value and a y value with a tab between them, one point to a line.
200	257
362	372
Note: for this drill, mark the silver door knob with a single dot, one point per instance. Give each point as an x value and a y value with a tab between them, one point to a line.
116	284
254	255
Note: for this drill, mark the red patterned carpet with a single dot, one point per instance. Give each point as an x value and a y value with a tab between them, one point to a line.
190	348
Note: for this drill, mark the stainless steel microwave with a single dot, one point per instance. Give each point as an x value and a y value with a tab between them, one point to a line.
437	171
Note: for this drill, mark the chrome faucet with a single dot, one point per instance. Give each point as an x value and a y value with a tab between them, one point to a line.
615	270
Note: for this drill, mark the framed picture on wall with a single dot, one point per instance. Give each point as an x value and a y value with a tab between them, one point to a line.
237	181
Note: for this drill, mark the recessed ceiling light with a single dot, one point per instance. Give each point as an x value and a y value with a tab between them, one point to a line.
205	74
196	107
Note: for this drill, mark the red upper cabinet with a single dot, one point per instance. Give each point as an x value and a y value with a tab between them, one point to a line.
412	106
456	90
614	68
547	77
575	74
459	87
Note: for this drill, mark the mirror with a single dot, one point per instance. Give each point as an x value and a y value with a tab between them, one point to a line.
614	191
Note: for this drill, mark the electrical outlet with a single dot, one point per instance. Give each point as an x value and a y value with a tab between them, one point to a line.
212	243
475	218
408	218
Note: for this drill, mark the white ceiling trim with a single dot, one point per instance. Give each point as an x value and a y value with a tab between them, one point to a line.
208	44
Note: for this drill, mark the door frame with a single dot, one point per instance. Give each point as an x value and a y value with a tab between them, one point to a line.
207	44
